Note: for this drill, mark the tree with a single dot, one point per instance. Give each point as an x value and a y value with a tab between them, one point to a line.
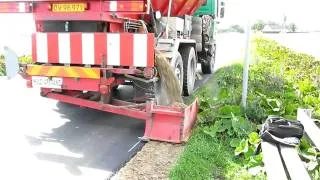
233	28
258	25
292	27
274	25
236	28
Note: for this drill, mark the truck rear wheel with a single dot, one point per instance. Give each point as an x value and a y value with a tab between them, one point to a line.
177	66
198	39
189	69
207	67
196	33
196	25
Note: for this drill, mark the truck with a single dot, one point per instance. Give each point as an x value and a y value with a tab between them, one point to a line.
83	50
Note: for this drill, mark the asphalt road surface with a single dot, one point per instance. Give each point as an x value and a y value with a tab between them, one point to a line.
45	139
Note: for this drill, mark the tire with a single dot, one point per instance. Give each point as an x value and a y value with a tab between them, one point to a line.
177	66
207	67
199	47
198	39
196	25
189	69
197	21
196	30
114	88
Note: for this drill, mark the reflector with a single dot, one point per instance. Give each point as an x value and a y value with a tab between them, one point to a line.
15	7
125	6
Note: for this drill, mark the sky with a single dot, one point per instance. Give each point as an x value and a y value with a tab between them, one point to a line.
305	13
18	27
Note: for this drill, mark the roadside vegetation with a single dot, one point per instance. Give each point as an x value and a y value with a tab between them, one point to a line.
233	28
2	66
259	25
224	142
22	59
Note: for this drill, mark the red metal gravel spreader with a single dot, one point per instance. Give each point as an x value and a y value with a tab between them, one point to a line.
163	123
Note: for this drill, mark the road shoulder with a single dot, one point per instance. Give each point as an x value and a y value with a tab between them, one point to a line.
152	162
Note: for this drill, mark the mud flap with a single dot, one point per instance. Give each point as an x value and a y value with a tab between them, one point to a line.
171	124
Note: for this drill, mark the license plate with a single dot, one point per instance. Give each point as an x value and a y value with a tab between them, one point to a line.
46	82
70	7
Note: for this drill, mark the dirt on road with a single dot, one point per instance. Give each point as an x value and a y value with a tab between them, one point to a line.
152	162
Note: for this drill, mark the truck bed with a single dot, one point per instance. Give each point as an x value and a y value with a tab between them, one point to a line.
179	7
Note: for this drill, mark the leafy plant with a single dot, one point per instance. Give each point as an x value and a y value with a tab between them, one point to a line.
206	113
297	77
280	81
230	121
255	110
25	59
247	147
2	66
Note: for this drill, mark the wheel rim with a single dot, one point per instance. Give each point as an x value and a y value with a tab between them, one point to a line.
177	72
193	72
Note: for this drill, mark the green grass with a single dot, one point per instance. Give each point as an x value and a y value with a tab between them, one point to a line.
205	157
2	66
209	158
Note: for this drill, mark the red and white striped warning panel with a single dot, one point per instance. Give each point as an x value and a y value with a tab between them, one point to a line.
124	6
114	49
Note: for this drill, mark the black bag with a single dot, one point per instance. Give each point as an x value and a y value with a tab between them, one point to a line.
279	130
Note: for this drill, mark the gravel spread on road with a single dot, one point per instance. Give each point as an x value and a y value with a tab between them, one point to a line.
152	162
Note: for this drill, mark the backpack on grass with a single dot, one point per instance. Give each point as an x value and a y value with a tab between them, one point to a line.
278	130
